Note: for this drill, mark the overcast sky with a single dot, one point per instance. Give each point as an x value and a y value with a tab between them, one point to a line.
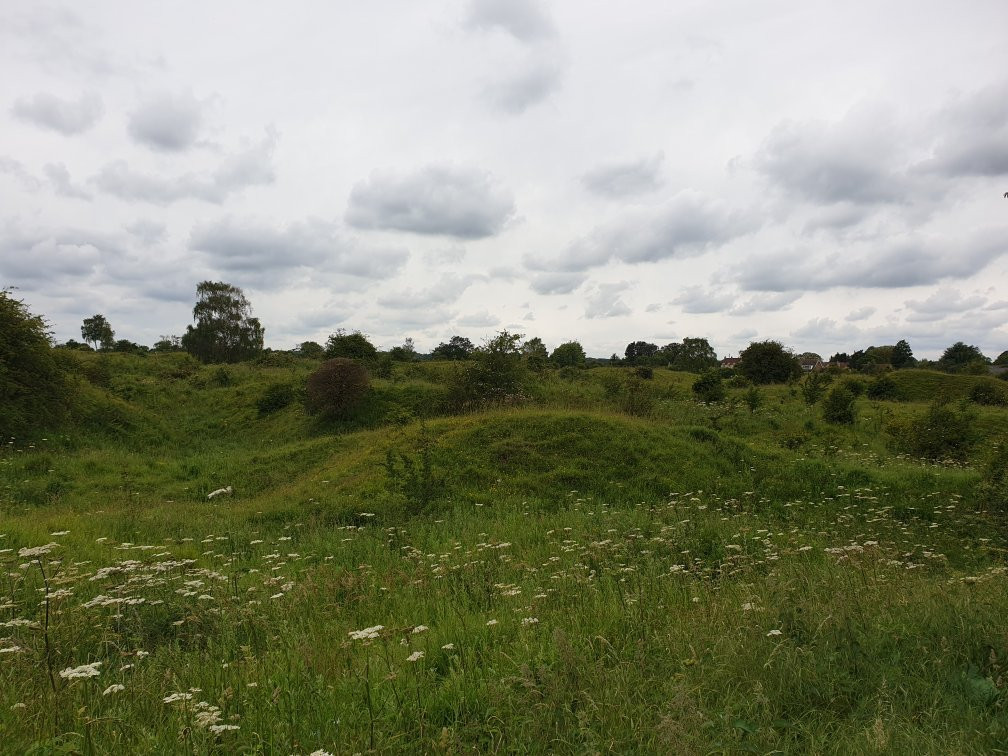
827	174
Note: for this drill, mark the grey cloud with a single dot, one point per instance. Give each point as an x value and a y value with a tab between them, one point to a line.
557	283
445	291
617	180
605	302
862	313
147	231
654	307
15	168
534	81
249	167
56	255
974	141
446	255
59	177
525	20
463	202
904	263
480	320
253	248
827	331
694	299
689	224
167	122
67	117
766	303
854	160
941	303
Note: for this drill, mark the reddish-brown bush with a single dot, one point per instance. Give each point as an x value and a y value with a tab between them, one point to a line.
336	388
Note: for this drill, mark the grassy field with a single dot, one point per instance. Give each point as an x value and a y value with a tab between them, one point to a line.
608	566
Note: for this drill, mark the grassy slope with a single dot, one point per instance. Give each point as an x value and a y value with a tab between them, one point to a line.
655	554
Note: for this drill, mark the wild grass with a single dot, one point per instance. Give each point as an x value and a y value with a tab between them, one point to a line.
696	579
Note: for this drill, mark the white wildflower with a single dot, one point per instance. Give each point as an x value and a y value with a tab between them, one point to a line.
420	629
526	621
174	697
491	623
368	633
774	633
448	647
116	688
36	551
84	670
59	533
415	656
219	728
10	650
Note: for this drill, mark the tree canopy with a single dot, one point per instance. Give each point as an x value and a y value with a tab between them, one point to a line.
569	354
225	330
902	355
456	348
960	355
97	331
353	346
768	362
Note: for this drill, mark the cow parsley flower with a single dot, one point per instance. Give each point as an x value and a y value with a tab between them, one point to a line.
368	633
84	670
415	656
116	688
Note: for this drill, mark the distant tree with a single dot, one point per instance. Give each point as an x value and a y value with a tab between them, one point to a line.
496	373
709	387
225	330
96	330
614	359
311	349
336	388
902	355
168	344
860	360
353	346
73	344
840	357
34	390
881	355
809	357
129	347
536	354
404	353
768	362
959	356
456	348
638	352
695	356
838	406
669	353
1002	360
569	354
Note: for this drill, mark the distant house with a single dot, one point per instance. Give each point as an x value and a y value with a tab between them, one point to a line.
730	362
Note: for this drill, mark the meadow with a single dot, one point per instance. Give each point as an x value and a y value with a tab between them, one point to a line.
606	565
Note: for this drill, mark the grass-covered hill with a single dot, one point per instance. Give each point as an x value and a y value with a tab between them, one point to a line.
603	564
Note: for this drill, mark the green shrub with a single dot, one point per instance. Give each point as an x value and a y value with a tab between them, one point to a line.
709	387
989	392
637	399
644	372
838	406
882	387
34	389
813	386
942	432
336	388
496	373
275	398
753	398
738	381
222	377
855	385
992	491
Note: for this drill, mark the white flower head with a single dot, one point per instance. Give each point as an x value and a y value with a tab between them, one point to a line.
116	688
415	656
368	633
84	670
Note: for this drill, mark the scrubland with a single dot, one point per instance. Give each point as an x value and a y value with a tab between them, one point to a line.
604	565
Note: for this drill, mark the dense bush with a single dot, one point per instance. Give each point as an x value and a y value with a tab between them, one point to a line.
838	406
941	432
989	392
768	362
275	398
496	373
813	386
645	372
337	388
709	387
353	346
992	491
34	389
882	387
855	385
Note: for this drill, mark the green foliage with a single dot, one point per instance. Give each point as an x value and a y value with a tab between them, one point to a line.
275	398
960	357
992	490
637	352
753	398
97	331
709	387
335	390
768	362
813	386
645	372
942	432
989	392
456	348
692	355
838	406
536	354
883	388
225	330
495	375
412	476
311	349
637	397
570	354
1002	359
404	353
855	385
351	346
35	392
902	355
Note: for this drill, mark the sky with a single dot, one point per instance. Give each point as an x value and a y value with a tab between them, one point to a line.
829	175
